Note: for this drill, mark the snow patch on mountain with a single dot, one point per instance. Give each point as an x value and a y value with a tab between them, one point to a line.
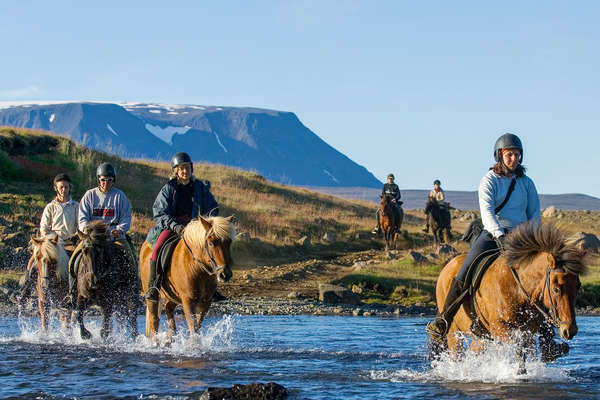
166	134
112	130
331	176
219	141
51	118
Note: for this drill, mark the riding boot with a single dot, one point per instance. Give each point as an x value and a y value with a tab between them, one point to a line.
438	328
153	283
551	350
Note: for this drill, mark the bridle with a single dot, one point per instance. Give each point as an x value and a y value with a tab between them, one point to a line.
215	268
552	315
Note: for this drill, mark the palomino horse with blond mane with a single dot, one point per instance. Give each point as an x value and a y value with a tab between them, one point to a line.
390	225
201	257
533	282
50	260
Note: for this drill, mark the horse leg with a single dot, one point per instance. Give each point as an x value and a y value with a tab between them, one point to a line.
188	311
83	332
201	310
107	312
43	307
170	312
152	318
455	343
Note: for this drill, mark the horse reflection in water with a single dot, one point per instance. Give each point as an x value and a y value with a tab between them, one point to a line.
201	257
534	282
50	260
105	278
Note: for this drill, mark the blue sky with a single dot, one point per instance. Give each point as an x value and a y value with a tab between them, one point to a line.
421	89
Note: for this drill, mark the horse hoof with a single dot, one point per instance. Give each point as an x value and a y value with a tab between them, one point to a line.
85	334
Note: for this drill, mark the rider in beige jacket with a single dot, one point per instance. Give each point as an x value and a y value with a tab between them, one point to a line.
436	194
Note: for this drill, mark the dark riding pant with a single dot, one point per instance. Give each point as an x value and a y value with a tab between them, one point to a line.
484	242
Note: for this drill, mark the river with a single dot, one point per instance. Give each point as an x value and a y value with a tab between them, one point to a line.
314	357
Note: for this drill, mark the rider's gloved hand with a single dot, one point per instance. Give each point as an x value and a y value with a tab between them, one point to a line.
178	229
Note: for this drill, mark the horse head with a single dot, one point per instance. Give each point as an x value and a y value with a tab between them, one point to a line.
213	237
561	287
93	261
49	257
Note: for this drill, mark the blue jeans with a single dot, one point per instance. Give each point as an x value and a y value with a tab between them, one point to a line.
484	242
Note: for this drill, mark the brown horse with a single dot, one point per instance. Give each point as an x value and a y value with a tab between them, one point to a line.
50	259
388	221
534	282
105	278
199	259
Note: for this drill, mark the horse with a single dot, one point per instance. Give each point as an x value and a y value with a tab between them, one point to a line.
50	259
201	257
387	220
439	221
105	278
533	282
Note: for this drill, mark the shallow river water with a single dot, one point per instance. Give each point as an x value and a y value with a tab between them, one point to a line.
314	357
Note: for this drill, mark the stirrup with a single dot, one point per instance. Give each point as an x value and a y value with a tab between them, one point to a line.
432	329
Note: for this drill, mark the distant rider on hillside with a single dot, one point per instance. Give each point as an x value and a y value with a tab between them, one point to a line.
110	205
60	216
390	189
181	199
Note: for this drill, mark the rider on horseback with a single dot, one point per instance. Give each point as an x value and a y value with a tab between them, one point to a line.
437	196
502	209
110	205
392	190
60	216
181	199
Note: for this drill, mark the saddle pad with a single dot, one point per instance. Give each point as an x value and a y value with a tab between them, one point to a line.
165	253
478	269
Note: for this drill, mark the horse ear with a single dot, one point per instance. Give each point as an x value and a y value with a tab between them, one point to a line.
36	240
205	223
230	218
551	261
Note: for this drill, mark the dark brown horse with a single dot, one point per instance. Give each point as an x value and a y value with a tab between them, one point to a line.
439	219
388	222
534	282
200	259
105	278
50	260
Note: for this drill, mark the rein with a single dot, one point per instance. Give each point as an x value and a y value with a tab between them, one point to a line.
215	269
551	317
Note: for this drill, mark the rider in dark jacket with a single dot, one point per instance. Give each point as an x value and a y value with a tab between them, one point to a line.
390	189
180	200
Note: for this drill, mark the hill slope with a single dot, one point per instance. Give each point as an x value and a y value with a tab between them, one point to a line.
273	143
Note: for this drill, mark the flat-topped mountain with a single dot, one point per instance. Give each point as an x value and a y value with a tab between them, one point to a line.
274	144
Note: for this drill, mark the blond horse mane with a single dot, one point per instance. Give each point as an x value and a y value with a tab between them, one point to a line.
54	251
195	234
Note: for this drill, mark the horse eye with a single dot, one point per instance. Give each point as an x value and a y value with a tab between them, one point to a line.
556	290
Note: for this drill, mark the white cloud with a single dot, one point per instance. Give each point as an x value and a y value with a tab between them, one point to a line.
28	91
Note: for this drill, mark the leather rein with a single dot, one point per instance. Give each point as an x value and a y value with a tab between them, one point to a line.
552	316
215	269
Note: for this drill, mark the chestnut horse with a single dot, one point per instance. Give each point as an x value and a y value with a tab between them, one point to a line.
50	260
387	220
535	281
201	257
105	278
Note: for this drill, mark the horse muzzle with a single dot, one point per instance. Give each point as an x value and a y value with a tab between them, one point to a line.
224	274
567	331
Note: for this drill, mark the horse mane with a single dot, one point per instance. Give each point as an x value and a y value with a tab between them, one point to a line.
527	240
195	234
95	231
51	250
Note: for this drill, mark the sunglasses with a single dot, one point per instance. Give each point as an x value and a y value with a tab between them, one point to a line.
106	179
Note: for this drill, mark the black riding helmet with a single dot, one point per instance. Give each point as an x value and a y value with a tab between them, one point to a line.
507	141
106	169
181	158
62	177
437	182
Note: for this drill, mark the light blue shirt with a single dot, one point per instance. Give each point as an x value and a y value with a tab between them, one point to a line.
523	205
113	208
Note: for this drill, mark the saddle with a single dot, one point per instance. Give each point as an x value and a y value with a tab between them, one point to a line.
165	253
